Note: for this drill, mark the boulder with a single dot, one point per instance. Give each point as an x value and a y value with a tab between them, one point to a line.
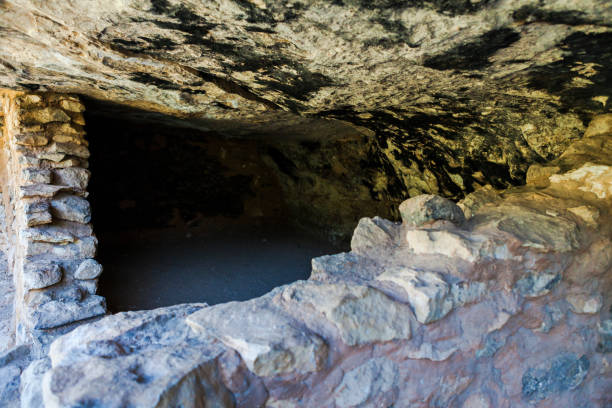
590	178
66	149
31	383
373	234
12	364
426	208
88	269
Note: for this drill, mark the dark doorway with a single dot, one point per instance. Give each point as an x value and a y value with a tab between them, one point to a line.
189	216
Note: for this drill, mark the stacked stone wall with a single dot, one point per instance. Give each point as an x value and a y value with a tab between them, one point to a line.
50	241
7	289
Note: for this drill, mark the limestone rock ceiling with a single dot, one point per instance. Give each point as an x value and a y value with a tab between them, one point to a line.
457	93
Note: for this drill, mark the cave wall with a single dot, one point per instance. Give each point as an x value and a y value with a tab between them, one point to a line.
176	176
329	184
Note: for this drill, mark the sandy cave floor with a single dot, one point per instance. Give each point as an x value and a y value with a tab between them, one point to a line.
147	269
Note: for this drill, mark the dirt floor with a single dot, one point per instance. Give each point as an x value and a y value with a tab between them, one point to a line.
220	263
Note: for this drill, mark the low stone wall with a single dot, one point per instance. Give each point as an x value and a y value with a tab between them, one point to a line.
501	301
50	242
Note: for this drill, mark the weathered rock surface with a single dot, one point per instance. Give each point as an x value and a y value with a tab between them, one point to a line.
426	208
13	362
511	308
287	348
457	94
359	314
164	363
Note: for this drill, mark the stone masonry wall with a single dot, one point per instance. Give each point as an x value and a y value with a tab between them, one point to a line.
7	288
50	242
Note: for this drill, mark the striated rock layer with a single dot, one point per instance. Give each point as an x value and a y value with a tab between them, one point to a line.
508	306
455	94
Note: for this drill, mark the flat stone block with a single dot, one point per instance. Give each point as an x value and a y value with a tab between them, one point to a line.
62	164
31	139
49	233
38	275
74	177
39	190
58	313
72	105
44	115
71	208
26	101
37	213
82	248
71	149
37	176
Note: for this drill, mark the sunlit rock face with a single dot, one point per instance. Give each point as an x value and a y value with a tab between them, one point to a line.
455	94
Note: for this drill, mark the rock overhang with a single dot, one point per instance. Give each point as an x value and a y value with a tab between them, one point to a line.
458	94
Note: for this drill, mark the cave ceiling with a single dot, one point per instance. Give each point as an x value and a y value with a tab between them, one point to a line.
456	93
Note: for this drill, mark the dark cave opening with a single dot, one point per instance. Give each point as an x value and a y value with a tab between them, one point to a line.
184	216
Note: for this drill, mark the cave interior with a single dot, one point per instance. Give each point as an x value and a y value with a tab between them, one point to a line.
187	215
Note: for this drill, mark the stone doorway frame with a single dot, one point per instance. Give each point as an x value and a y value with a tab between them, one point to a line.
49	242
